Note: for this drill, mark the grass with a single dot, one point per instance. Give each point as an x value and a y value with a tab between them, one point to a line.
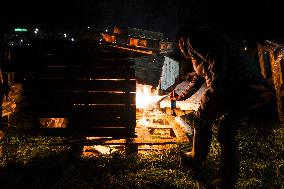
33	162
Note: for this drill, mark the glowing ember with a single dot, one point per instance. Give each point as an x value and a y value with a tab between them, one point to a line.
54	122
143	121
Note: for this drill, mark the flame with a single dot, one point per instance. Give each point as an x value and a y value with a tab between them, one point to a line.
54	122
109	38
145	96
133	42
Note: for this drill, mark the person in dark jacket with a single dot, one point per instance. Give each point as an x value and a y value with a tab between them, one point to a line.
235	87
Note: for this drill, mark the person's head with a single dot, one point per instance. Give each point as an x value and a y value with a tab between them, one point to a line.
197	43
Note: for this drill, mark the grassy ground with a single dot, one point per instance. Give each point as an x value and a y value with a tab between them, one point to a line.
33	162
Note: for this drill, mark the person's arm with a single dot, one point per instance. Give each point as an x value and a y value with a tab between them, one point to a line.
220	82
195	84
217	82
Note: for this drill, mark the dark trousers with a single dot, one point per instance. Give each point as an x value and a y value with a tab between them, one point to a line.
230	161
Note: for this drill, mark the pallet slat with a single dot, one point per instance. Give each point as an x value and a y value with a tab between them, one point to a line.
100	132
67	110
74	98
79	85
81	73
33	63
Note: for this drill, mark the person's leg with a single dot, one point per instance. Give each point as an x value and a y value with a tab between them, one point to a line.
200	145
230	161
211	107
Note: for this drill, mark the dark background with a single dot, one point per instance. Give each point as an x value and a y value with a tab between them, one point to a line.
241	17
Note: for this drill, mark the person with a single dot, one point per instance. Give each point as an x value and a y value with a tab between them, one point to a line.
235	87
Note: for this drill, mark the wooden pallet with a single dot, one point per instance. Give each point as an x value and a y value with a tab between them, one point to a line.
272	68
91	87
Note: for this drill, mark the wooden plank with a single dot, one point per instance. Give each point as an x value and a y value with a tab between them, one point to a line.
90	112
107	123
86	117
81	97
82	61
104	117
105	109
30	59
100	51
35	65
79	85
99	132
50	110
82	72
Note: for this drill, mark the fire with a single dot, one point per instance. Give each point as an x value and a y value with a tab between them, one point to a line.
145	96
54	122
133	42
109	38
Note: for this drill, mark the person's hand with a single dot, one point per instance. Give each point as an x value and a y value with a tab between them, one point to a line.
173	94
191	119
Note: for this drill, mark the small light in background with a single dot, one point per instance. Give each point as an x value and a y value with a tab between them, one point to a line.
106	30
72	39
88	27
36	30
65	35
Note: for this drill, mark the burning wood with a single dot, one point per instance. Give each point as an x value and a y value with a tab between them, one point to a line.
54	122
152	124
155	129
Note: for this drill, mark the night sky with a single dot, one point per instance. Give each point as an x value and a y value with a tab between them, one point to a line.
240	16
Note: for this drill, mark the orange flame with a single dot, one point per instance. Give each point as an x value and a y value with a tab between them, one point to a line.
145	96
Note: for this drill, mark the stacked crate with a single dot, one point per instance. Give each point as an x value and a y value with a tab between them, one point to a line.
92	88
271	59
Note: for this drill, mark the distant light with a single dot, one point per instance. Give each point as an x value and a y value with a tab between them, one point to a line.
72	39
21	30
35	31
106	30
21	41
88	27
65	35
246	48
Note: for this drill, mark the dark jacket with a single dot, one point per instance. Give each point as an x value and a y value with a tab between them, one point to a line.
233	78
